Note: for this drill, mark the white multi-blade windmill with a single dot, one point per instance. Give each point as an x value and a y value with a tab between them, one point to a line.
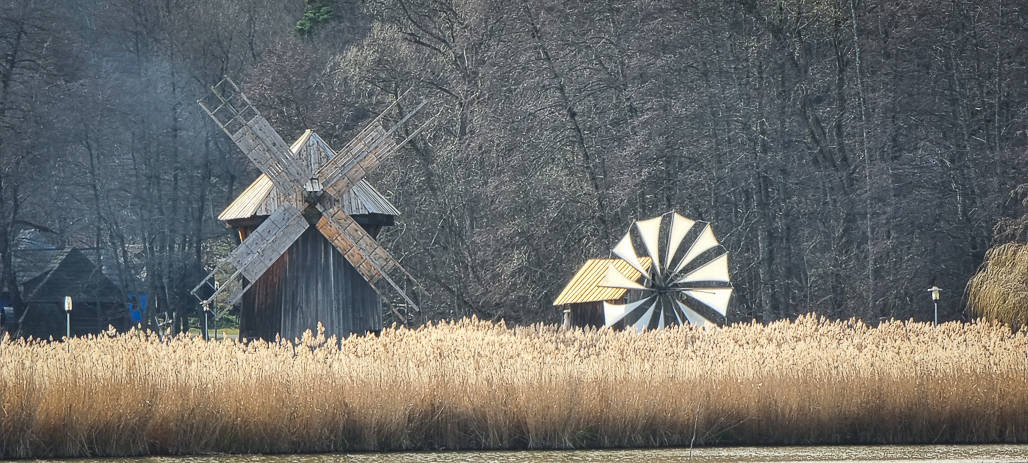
687	280
310	193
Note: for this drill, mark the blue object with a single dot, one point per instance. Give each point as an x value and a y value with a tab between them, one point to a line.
137	306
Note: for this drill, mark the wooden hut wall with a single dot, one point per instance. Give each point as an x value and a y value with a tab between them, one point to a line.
587	314
312	282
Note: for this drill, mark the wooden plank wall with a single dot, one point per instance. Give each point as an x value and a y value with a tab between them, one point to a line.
311	282
587	314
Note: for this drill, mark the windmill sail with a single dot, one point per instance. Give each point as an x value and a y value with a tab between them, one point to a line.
252	133
372	260
248	261
688	281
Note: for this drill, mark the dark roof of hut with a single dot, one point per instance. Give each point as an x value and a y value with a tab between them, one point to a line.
31	263
31	238
51	274
35	255
261	198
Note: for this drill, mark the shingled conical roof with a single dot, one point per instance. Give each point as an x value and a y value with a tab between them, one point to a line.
261	198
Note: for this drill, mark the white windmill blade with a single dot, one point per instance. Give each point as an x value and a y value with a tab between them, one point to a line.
680	226
693	317
613	278
643	322
715	270
705	241
649	230
659	313
715	299
670	312
613	313
626	252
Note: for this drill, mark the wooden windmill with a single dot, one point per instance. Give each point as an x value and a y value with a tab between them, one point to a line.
341	284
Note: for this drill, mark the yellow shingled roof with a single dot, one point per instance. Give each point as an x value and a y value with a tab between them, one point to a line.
585	285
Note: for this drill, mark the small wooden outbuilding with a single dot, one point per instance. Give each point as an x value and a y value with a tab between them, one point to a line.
312	282
45	275
583	297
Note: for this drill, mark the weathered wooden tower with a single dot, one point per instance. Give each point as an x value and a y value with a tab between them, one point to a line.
307	226
311	282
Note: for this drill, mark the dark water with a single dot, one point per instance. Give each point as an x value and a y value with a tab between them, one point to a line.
941	453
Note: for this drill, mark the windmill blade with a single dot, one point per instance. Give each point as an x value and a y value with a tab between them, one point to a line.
703	242
646	320
715	299
680	227
254	136
650	231
613	278
355	160
371	260
350	151
248	261
669	313
626	252
631	312
269	241
694	318
365	152
657	319
715	270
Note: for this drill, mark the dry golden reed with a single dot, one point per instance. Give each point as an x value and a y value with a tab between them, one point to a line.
999	291
476	385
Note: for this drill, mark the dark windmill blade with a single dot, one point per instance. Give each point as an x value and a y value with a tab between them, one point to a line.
232	111
254	255
382	271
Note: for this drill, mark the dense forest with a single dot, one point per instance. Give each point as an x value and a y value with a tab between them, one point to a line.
849	153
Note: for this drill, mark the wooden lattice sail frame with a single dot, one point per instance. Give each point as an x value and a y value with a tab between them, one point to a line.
312	198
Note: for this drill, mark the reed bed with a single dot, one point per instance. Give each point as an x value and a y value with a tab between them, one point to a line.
478	385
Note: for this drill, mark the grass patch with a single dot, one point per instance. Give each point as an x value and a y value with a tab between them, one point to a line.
477	385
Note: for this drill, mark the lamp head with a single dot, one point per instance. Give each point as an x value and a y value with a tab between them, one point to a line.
935	290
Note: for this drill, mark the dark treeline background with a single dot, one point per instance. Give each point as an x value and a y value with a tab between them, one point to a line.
850	153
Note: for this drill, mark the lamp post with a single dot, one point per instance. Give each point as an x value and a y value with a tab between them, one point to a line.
67	320
206	310
935	290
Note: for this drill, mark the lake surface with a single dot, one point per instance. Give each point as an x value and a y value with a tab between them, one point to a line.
938	453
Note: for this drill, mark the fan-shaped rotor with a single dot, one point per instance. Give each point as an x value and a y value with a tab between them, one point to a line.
688	281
